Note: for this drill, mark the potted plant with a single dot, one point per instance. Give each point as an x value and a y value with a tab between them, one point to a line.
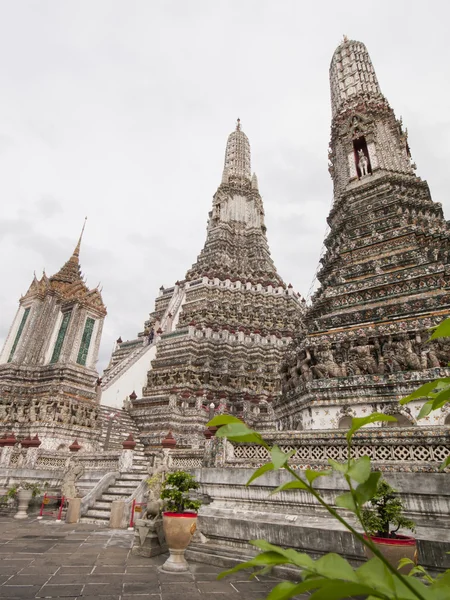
382	517
179	517
23	492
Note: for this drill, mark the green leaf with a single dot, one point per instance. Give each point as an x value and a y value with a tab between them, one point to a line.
445	464
337	466
374	573
360	469
287	589
299	559
365	491
346	500
358	422
280	458
425	410
291	485
442	330
426	389
239	432
334	566
336	590
264	559
442	398
313	475
263	469
219	420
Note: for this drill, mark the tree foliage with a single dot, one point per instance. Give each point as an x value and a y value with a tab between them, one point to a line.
175	492
383	510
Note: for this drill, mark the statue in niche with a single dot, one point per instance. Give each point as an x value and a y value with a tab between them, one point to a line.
157	473
74	471
32	412
406	355
361	357
363	163
304	365
325	365
390	356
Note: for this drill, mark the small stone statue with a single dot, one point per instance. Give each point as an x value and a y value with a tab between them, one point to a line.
74	471
363	163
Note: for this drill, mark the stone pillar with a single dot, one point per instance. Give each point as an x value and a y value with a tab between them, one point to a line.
5	458
73	510
31	457
126	461
117	512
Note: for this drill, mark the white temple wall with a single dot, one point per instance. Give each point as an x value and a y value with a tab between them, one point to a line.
134	378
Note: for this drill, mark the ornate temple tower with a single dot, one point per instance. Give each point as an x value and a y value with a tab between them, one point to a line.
221	332
385	274
48	375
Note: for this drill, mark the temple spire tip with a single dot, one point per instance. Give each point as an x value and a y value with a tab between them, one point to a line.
238	125
76	252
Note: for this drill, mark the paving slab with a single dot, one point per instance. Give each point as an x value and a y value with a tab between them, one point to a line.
43	560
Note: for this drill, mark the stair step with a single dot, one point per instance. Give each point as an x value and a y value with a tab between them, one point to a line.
110	497
130	477
98	514
102	505
121	491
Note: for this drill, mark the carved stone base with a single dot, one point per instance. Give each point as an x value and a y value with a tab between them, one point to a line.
176	563
148	538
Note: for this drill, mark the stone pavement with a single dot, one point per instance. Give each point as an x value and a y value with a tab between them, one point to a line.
42	559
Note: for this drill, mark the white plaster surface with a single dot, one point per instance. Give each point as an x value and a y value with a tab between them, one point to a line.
132	379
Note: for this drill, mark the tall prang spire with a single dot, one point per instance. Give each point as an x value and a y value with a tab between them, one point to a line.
384	274
236	244
237	154
366	138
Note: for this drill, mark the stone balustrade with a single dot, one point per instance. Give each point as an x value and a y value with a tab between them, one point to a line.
409	449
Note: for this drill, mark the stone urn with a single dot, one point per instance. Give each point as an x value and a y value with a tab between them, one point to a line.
394	549
178	530
23	497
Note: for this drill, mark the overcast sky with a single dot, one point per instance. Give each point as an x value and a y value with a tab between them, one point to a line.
120	110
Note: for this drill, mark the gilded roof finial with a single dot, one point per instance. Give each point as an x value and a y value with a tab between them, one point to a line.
238	125
76	252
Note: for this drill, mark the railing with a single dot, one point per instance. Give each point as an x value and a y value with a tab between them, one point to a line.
187	458
412	449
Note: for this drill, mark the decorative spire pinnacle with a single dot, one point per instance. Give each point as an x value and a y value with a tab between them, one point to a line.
71	271
76	252
237	154
351	75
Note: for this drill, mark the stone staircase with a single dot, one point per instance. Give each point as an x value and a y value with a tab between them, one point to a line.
121	427
126	483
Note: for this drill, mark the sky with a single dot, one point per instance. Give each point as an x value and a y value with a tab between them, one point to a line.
120	111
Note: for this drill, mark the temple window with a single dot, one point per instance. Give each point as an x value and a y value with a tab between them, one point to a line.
362	159
19	333
61	335
85	341
345	423
401	421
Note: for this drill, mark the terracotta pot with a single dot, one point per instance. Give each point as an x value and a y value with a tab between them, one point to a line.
24	497
178	530
394	549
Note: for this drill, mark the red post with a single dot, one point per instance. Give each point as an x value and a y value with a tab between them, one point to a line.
42	506
58	518
132	515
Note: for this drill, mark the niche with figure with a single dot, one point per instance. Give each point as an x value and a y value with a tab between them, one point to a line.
362	159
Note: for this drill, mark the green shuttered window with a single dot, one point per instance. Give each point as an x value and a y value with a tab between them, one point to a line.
61	335
19	333
85	341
